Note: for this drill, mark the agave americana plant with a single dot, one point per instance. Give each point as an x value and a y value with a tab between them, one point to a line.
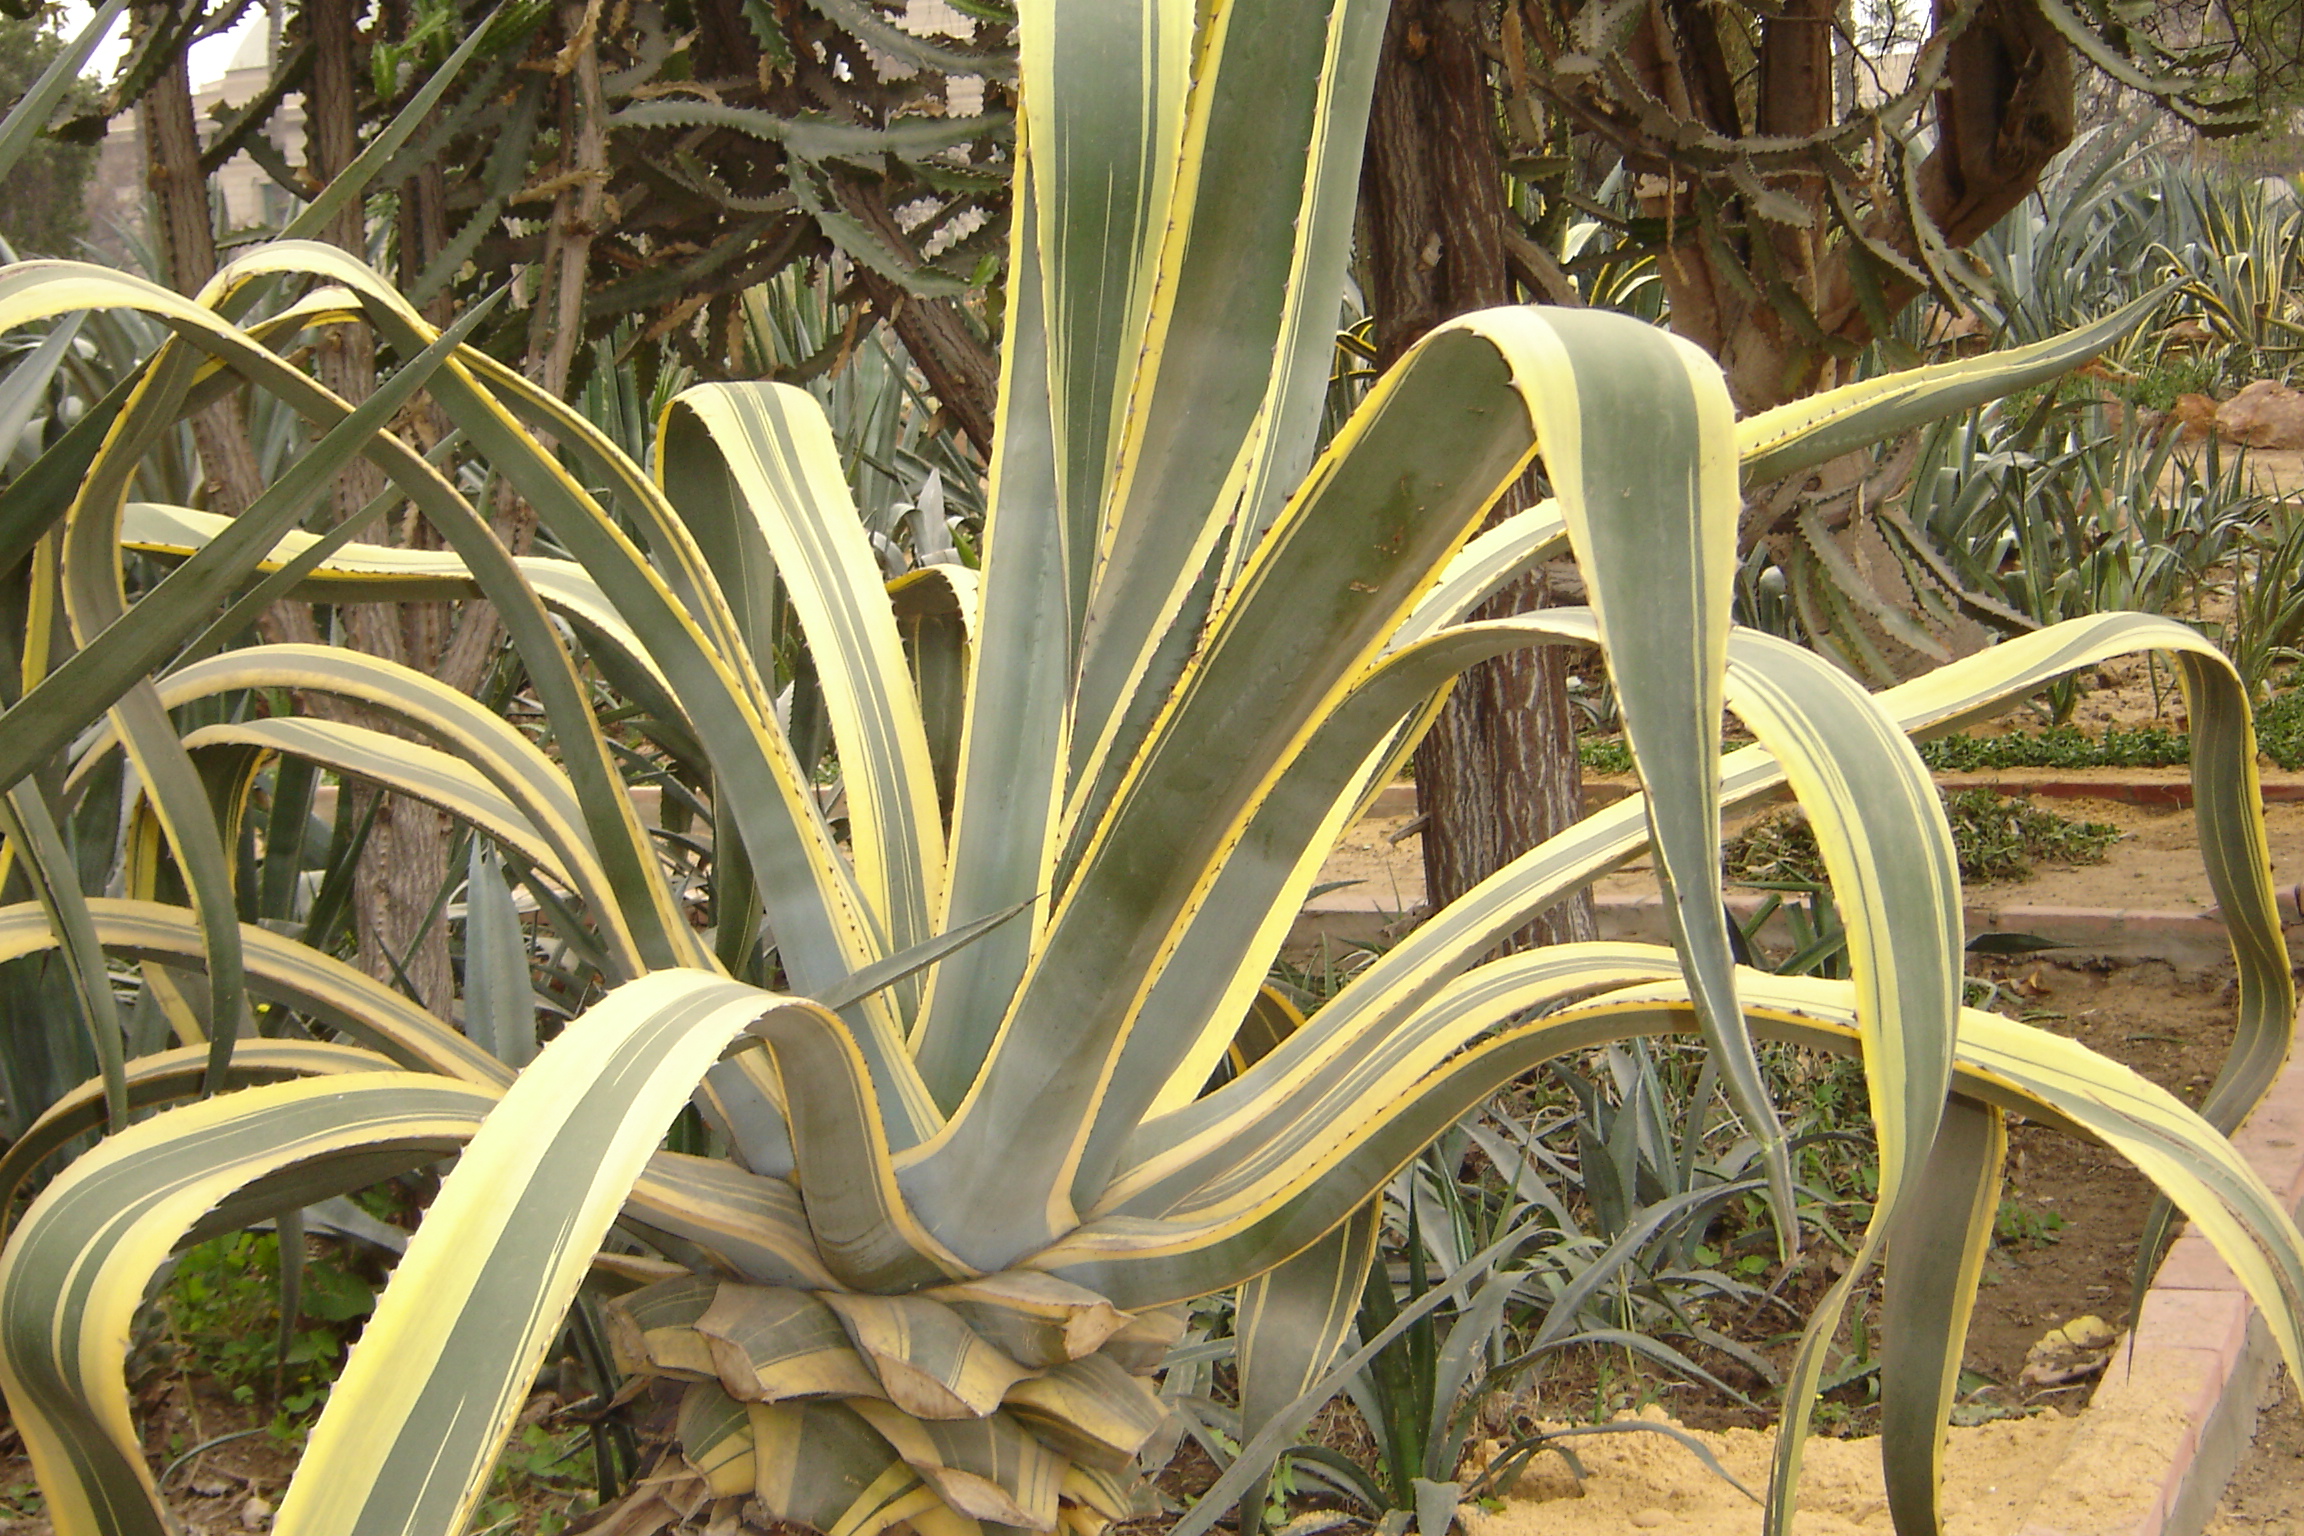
957	1057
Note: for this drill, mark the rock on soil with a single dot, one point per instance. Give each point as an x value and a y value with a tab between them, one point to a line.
2266	414
1650	1483
2196	415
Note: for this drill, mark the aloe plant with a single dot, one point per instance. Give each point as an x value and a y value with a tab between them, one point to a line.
972	1171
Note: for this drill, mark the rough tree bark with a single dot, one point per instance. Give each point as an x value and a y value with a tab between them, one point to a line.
1497	773
188	245
404	867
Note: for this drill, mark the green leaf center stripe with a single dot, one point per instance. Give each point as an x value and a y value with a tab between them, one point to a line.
1236	292
782	473
1105	179
1647	483
1881	829
1005	793
80	1262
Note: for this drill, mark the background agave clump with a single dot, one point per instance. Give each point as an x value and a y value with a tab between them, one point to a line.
948	1035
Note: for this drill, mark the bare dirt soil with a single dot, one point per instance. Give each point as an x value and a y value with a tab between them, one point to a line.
2266	1494
2171	1026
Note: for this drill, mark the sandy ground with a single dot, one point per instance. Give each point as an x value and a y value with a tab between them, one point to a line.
1647	1483
2275	471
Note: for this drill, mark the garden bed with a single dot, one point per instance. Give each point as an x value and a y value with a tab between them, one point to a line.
2142	1451
2068	1245
2070	1227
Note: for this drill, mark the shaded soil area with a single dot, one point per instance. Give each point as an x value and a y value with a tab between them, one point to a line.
2266	1494
2080	1207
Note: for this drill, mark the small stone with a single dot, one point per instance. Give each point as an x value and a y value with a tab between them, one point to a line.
256	1514
209	1485
1651	1519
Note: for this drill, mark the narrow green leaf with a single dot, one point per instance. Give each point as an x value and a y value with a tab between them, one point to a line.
499	1000
30	827
31	113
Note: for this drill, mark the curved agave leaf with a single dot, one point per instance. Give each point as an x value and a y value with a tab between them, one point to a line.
591	1106
866	1227
317	986
754	470
167	1077
2224	777
1807	432
431	1390
356	572
1931	1292
77	1265
419	772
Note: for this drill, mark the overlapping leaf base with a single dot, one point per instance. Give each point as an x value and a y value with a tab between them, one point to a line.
1017	1400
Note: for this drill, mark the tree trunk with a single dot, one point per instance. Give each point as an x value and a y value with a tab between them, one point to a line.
187	241
1497	774
401	941
1740	316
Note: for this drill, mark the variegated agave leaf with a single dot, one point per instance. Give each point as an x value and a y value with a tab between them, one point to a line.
853	1388
976	1164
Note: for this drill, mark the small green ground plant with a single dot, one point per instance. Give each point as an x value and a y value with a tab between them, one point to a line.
1995	837
222	1307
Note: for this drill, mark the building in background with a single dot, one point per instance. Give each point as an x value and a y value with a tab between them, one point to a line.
249	196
